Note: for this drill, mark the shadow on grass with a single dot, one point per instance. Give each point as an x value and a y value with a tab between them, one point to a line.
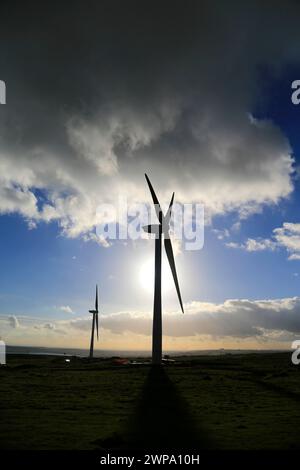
162	419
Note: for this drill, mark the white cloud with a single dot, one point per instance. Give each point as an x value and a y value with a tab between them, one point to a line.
234	318
286	237
13	321
66	309
221	234
236	226
49	326
252	244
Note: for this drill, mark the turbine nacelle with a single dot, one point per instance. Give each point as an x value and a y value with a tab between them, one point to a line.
158	229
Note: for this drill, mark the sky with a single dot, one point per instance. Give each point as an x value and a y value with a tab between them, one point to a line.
198	96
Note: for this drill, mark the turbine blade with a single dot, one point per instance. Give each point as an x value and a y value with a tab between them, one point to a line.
96	301
155	200
97	325
170	256
167	217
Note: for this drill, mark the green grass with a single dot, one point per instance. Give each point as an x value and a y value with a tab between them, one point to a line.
226	402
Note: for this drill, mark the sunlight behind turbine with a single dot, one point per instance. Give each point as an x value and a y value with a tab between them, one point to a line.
146	276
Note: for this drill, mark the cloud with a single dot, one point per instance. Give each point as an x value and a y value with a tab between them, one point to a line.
252	244
141	101
238	318
235	318
66	309
238	321
52	327
221	234
49	326
13	321
286	237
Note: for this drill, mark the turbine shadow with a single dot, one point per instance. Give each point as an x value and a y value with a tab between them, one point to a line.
162	420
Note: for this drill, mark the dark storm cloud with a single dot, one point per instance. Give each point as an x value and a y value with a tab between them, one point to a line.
100	92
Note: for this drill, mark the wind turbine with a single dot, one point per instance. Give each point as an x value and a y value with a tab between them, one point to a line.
94	324
161	230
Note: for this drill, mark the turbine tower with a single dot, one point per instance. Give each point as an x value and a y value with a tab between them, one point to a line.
161	231
94	324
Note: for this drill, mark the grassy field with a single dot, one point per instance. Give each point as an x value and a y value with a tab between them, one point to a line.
205	402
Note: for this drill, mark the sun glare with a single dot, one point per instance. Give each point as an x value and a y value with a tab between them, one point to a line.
146	276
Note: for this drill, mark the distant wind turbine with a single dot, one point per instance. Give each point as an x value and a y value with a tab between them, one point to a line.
94	324
160	230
